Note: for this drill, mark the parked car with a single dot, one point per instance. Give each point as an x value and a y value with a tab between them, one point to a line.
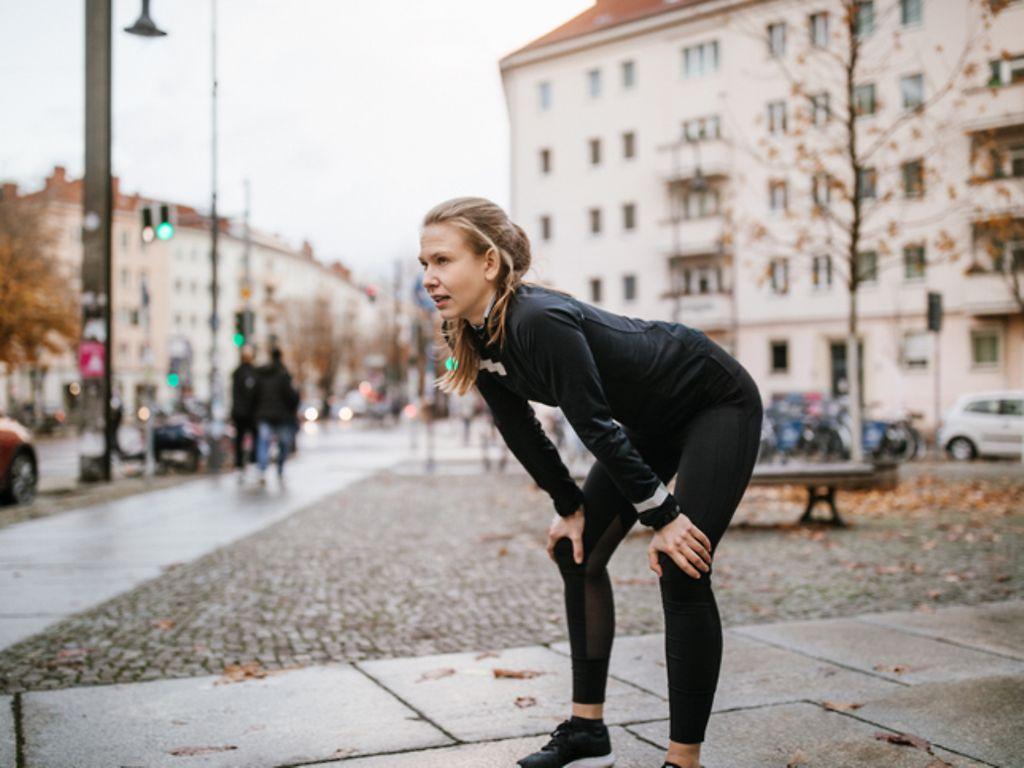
984	424
19	470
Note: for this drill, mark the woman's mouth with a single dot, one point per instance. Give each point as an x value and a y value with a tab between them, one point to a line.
442	301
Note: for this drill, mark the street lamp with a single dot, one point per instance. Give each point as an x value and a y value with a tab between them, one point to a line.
144	25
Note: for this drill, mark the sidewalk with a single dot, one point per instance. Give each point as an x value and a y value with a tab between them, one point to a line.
832	693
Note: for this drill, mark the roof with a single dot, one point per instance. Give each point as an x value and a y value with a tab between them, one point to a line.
605	14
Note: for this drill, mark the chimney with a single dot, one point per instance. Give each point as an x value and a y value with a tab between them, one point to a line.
307	249
60	175
10	191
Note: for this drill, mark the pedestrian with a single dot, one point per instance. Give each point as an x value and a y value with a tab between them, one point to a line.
276	401
650	400
243	416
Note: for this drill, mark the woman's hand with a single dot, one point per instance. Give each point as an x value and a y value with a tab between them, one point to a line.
569	527
685	543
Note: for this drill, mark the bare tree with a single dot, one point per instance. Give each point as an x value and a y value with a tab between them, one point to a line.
851	162
315	343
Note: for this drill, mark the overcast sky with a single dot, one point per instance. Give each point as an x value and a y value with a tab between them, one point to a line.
350	118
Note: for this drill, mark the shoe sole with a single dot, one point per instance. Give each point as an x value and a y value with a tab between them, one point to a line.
605	761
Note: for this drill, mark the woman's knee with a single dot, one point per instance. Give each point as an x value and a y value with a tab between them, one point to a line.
680	587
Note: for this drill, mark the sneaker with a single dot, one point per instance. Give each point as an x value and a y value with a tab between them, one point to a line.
573	746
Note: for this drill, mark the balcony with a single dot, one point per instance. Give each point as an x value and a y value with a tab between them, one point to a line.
705	311
988	293
692	237
678	162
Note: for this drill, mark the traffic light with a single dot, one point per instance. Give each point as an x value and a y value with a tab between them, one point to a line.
165	229
371	293
148	232
173	380
245	327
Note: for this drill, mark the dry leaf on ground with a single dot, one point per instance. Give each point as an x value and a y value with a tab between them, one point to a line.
517	674
436	674
525	701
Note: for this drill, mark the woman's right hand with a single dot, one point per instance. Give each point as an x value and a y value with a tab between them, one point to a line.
569	527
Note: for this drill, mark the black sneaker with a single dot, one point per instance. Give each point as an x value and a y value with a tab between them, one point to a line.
573	746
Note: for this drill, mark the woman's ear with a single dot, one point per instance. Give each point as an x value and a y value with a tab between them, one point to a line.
492	265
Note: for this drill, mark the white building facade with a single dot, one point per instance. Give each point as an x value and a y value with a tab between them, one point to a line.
668	160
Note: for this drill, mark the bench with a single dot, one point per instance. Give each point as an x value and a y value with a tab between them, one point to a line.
823	480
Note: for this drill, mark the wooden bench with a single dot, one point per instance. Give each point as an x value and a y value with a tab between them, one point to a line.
823	480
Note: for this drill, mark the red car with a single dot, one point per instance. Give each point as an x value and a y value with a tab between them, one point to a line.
19	473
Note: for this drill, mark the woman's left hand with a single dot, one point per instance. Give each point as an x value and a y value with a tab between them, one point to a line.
685	543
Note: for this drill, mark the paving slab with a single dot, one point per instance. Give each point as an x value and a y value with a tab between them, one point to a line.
461	693
630	752
753	673
803	735
983	718
993	627
317	713
883	651
8	749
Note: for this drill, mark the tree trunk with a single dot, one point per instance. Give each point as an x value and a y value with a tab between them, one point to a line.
853	363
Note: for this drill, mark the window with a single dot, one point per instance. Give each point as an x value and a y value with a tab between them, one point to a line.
594	83
1009	253
864	18
126	278
1006	71
864	100
595	290
545	161
702	128
910	12
913	262
916	350
867	267
777	39
821	272
867	179
983	406
629	216
544	95
779	276
1017	161
700	60
595	221
595	151
629	145
776	117
177	286
628	74
778	196
912	91
629	287
818	24
913	179
820	110
821	189
1007	161
780	356
985	348
700	203
1011	407
124	241
545	227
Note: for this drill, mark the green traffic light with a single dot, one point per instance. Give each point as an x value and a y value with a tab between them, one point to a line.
173	380
165	231
239	340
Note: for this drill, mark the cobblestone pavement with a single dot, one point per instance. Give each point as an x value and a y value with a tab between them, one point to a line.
402	565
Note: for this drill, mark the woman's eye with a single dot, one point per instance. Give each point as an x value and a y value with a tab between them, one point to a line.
442	260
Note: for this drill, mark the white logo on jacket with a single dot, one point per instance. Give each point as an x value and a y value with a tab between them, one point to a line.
493	367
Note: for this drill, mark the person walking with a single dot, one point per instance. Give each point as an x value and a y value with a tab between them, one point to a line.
243	399
276	401
650	400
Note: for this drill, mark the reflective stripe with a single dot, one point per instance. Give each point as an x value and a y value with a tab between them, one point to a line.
492	366
655	501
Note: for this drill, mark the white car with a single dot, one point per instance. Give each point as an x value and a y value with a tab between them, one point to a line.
984	424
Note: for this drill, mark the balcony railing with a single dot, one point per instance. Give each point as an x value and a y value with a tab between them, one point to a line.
678	163
989	293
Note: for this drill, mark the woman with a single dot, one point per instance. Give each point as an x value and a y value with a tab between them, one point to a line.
650	400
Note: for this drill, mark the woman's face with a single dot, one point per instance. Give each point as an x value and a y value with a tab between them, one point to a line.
460	282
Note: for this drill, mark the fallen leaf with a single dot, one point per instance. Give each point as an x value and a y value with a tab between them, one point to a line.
237	673
797	759
904	739
436	674
525	701
193	751
839	706
895	669
164	623
503	552
516	674
486	655
938	763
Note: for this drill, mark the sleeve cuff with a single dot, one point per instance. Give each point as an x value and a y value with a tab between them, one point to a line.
662	515
569	503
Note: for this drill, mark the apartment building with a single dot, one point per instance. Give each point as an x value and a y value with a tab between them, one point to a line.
162	299
689	161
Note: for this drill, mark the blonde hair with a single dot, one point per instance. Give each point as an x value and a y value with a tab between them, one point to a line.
486	227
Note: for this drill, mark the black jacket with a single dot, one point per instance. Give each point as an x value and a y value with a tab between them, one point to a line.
605	372
276	398
243	392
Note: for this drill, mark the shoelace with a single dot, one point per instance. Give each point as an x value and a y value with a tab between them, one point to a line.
559	737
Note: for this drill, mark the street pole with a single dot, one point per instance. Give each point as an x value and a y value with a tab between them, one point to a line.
94	461
216	407
247	260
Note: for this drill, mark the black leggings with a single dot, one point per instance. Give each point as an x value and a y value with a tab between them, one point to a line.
712	453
